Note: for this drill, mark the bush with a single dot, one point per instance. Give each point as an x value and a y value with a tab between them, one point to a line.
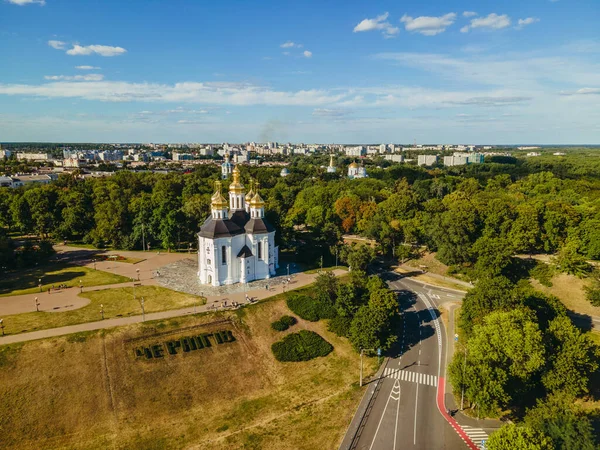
340	326
593	296
543	273
310	309
284	323
301	346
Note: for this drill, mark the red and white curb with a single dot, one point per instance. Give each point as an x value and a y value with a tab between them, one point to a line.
442	409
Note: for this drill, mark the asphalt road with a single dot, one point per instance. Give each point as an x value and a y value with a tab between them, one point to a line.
405	414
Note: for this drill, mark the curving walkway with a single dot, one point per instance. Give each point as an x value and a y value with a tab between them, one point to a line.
213	303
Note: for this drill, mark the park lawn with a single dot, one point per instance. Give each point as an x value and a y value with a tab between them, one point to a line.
89	391
26	281
117	302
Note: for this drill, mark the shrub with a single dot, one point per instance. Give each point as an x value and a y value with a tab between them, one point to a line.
284	323
593	296
301	346
340	326
543	273
310	309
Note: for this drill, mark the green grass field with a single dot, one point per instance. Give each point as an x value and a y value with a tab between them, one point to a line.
89	391
117	302
27	281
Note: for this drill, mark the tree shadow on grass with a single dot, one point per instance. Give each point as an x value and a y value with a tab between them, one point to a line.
30	279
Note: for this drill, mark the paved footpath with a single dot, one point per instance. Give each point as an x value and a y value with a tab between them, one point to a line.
213	303
69	299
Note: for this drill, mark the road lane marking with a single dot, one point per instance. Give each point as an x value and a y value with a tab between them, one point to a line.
397	412
383	414
411	377
416	408
477	435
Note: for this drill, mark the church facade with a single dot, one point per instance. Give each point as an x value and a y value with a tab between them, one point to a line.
236	244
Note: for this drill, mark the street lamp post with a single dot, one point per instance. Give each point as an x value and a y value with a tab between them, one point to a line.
37	305
80	285
40	284
102	311
94	264
288	270
143	312
462	395
138	273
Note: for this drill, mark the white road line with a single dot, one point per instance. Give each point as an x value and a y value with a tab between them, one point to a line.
397	412
416	408
382	415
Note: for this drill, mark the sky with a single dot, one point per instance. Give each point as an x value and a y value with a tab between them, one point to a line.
436	71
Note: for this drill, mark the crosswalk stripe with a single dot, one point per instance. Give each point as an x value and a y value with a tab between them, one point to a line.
412	377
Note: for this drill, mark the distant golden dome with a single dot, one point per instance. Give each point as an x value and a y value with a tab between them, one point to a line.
353	166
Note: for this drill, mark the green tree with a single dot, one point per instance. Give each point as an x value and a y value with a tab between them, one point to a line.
513	437
572	358
504	355
494	255
570	261
562	421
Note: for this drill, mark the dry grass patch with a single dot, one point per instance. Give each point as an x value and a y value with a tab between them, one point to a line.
116	302
96	394
429	262
571	291
431	280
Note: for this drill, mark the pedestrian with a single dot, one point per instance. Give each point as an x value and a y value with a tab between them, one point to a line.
267	287
246	297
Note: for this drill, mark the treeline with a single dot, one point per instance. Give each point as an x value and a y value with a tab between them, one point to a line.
475	217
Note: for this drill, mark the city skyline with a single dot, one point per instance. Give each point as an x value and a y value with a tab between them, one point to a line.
442	72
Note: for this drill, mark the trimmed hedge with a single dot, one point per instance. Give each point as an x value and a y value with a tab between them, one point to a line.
301	346
284	323
311	309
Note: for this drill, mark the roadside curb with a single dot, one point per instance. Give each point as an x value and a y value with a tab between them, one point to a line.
433	285
358	420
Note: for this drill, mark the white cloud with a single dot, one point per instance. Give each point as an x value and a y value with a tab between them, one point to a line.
290	44
512	70
378	23
285	53
491	22
524	22
469	14
58	45
583	91
428	26
26	2
328	112
102	50
87	68
307	54
89	77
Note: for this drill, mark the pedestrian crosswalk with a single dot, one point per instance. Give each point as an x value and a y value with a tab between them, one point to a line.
413	377
477	435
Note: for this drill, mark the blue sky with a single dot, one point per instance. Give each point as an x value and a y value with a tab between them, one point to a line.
312	71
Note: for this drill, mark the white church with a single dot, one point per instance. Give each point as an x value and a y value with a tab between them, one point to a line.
236	244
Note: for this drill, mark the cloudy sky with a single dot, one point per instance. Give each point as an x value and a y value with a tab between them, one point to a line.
437	71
